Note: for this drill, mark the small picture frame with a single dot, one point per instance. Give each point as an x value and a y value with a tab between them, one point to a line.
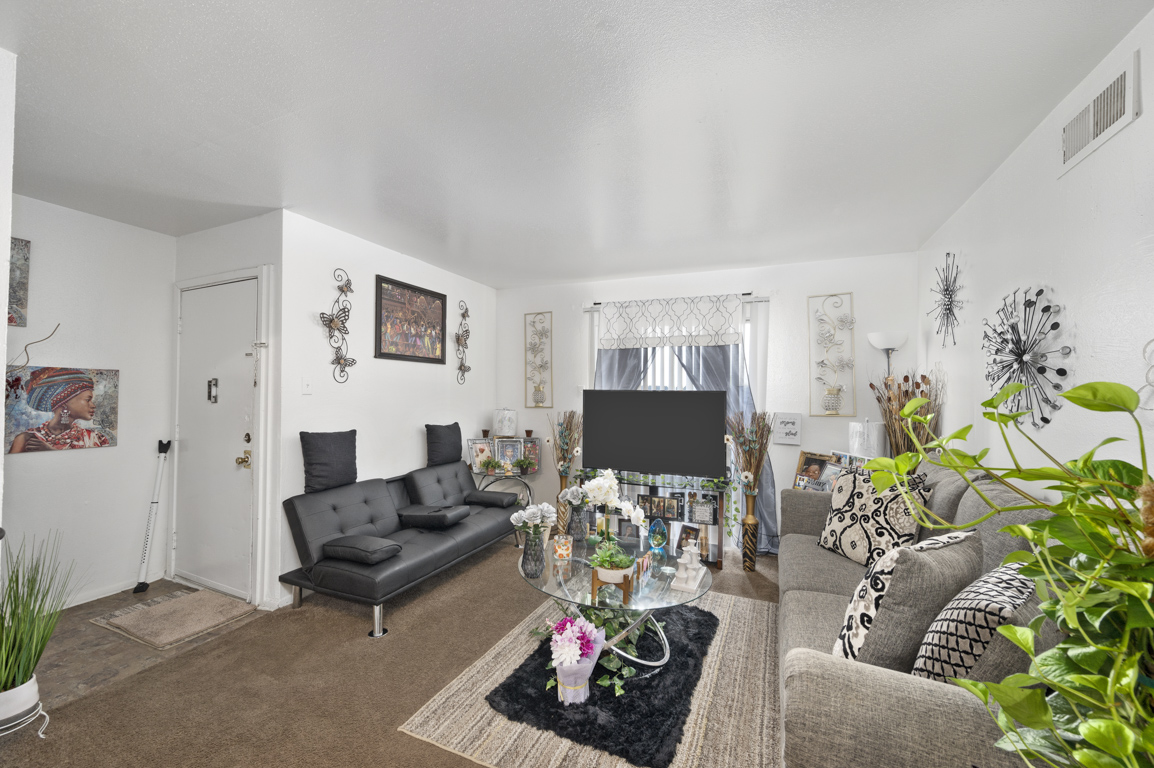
849	460
828	475
666	507
645	504
480	448
811	465
703	508
532	449
508	449
627	530
688	533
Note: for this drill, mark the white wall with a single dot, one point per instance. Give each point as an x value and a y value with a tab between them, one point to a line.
1088	235
388	402
7	125
883	301
109	285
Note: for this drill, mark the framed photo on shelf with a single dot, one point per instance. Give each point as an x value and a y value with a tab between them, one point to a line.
811	465
849	460
508	448
645	504
480	448
626	529
828	475
688	533
666	507
703	507
532	450
410	322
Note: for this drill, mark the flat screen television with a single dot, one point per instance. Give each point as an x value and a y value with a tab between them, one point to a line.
671	433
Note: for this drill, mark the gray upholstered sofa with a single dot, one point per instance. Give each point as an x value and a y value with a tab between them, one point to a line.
436	515
838	712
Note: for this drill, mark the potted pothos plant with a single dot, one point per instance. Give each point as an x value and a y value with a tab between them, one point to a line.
1089	701
490	465
525	464
36	588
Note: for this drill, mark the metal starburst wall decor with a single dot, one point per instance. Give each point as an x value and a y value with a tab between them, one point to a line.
1020	345
336	324
947	304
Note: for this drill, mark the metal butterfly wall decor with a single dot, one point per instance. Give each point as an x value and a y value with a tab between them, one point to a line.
462	338
336	324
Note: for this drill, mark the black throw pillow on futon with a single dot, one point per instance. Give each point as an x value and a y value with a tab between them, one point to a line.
330	459
444	443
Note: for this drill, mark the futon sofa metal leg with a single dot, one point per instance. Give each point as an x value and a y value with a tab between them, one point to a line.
378	623
297	597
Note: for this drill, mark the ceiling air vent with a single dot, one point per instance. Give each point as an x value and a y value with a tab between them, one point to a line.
1109	111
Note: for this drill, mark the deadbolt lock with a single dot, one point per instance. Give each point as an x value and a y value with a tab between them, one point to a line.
245	461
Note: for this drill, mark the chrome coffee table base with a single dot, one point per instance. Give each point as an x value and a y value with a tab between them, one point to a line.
655	666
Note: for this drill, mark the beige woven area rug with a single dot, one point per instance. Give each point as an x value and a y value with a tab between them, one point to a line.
733	718
176	617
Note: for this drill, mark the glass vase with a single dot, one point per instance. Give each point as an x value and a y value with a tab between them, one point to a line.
578	527
533	556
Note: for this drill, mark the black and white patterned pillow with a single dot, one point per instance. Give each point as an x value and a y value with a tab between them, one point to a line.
864	524
866	602
966	627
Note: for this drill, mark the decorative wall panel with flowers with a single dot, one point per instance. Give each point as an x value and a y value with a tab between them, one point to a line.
831	354
539	360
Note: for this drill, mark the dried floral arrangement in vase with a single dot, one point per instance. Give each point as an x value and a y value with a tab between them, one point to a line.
565	443
893	393
751	442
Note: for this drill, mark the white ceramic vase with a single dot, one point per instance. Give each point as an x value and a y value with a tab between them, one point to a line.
613	575
19	701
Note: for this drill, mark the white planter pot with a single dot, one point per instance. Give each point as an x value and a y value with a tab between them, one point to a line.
613	575
19	701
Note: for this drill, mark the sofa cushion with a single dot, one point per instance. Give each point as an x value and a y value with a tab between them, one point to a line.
365	508
432	518
491	498
361	549
963	630
483	527
330	459
809	620
995	544
443	443
440	485
863	523
803	565
422	552
901	595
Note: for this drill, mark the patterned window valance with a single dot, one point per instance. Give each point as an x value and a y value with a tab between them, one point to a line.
688	321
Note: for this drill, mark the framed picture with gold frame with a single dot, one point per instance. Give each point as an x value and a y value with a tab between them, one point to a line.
811	465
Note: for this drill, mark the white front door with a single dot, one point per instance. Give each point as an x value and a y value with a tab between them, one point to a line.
214	494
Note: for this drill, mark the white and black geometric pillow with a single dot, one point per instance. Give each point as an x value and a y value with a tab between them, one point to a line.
925	587
864	524
966	627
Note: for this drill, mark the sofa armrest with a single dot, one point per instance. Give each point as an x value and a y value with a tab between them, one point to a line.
841	712
804	511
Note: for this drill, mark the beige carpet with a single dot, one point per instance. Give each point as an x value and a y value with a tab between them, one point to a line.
174	618
732	720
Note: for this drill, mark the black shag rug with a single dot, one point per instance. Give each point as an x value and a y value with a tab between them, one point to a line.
644	725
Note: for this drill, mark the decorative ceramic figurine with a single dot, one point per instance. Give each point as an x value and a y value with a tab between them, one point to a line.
690	571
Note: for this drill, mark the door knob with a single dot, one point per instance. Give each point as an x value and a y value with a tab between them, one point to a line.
245	461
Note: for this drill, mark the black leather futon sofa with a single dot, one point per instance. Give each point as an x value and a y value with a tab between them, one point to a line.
384	536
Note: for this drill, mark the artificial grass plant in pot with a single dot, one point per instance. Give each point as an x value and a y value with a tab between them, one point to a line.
36	588
1089	701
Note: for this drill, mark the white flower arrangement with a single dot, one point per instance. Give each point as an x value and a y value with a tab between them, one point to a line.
603	489
635	515
574	496
532	518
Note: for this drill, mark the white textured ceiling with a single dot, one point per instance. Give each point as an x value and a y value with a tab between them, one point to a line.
522	141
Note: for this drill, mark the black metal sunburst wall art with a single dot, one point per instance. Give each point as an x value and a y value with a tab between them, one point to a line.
1022	348
337	325
947	304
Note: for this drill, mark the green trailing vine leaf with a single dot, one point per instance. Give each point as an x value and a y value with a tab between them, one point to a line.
1091	556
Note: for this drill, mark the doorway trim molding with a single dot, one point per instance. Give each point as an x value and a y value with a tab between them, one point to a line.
266	591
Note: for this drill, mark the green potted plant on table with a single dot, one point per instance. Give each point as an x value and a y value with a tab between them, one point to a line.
1089	701
490	465
525	464
36	589
613	563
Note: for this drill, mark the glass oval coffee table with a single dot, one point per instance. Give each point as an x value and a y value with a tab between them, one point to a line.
652	589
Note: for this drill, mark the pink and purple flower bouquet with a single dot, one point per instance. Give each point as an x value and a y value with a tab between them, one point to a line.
576	645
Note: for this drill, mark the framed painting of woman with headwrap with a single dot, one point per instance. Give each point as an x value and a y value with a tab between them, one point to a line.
58	409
